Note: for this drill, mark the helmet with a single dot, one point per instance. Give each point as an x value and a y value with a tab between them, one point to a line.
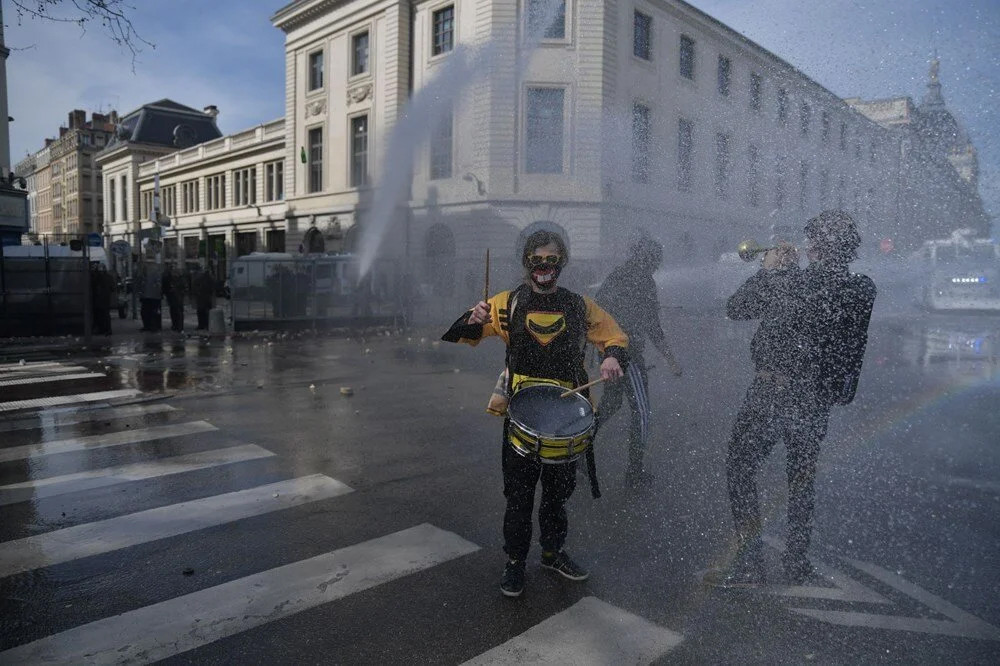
834	234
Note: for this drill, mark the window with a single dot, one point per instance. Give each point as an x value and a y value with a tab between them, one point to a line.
756	83
359	151
168	200
536	14
246	242
215	192
124	186
189	192
805	116
275	240
443	37
359	53
843	136
441	147
722	165
687	57
725	67
274	181
803	185
146	206
640	143
544	130
245	187
685	153
642	36
753	175
782	106
315	70
824	123
315	141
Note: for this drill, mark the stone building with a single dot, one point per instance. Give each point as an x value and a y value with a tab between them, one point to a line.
151	131
617	118
65	192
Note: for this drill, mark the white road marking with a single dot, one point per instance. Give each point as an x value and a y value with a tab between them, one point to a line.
847	589
54	418
56	400
29	371
104	536
109	476
171	627
89	442
588	632
48	379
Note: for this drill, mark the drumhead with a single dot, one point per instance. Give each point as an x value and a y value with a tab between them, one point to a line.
539	409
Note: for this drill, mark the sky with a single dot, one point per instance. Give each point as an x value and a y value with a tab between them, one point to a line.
227	53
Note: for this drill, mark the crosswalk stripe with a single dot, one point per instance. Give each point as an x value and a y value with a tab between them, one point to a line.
109	476
56	400
104	536
4	367
37	372
105	440
47	379
171	627
588	632
53	418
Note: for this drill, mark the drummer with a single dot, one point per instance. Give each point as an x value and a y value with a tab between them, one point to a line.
545	328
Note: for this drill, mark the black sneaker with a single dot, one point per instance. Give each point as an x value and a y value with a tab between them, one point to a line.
512	583
798	569
736	576
564	565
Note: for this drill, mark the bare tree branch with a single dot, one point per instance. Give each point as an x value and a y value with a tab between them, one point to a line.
112	15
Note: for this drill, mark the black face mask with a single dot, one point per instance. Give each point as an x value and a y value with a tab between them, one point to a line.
545	276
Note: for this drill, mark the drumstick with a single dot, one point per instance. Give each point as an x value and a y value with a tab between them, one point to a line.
486	288
566	394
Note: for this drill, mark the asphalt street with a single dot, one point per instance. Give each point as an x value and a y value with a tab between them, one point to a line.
222	501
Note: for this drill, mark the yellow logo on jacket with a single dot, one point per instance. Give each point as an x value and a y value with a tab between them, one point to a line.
545	326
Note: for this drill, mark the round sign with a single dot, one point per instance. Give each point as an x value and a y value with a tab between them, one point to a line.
885	245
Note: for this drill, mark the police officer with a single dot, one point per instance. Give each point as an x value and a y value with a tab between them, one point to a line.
807	353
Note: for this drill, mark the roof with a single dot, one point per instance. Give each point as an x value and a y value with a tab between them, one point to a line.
166	123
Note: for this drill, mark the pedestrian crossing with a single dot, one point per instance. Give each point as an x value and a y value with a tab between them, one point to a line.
590	631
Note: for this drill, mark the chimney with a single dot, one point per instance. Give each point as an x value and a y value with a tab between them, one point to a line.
77	119
212	111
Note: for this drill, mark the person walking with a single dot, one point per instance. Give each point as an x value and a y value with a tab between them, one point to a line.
174	288
807	353
629	295
545	328
203	288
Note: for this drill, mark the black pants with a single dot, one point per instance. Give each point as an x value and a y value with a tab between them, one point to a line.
102	321
152	319
520	476
771	412
202	318
176	313
635	385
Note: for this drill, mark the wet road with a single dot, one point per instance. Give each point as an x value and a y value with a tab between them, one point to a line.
222	501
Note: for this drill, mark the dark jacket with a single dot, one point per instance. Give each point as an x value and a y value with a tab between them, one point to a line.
813	326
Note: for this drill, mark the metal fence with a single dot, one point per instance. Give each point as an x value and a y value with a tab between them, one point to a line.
321	291
44	294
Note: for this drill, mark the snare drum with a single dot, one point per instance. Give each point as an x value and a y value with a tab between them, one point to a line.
548	427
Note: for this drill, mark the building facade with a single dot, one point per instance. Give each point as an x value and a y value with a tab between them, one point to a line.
65	192
611	119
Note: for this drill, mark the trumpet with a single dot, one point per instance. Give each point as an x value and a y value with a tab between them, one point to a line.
749	250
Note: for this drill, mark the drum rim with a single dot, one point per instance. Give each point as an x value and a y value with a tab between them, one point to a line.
559	438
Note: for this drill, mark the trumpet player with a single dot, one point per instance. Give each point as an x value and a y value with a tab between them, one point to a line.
807	354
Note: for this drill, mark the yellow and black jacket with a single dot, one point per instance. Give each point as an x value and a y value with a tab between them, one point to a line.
545	334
